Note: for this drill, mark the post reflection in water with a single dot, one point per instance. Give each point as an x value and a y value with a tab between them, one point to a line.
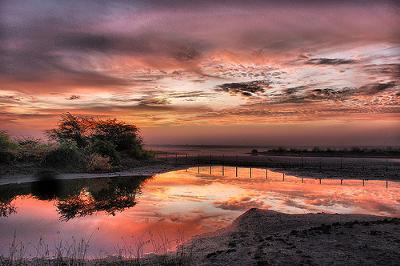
188	202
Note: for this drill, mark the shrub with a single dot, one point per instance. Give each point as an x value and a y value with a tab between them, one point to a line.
67	155
31	150
104	148
7	148
99	163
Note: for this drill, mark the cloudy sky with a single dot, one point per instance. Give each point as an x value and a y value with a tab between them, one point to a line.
206	72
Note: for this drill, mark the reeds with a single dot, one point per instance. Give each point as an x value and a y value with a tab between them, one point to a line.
75	252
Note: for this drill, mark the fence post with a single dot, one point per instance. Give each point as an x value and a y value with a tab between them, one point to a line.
250	172
223	165
198	164
386	167
283	176
320	165
266	173
341	163
236	169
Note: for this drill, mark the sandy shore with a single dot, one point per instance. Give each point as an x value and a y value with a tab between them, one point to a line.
261	237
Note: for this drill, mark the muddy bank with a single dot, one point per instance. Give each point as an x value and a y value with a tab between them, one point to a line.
337	168
260	237
147	170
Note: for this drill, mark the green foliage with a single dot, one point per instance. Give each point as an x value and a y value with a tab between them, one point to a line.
99	163
7	148
124	136
31	150
66	156
104	148
90	133
72	128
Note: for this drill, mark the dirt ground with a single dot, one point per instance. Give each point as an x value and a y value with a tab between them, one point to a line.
261	237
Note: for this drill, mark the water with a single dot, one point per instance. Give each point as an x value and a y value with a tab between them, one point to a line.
122	213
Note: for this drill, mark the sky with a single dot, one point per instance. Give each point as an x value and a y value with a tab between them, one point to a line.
206	72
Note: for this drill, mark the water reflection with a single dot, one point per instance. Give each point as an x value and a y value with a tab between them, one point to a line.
75	198
121	210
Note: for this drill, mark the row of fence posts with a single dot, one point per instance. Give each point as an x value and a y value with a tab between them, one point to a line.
175	156
266	175
282	164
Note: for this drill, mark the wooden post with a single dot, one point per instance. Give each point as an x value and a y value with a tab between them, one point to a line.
236	168
198	163
266	173
320	165
387	184
283	176
386	168
320	181
223	165
250	172
302	180
210	169
341	181
363	182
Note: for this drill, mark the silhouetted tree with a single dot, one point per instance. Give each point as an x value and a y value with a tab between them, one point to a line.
72	128
101	135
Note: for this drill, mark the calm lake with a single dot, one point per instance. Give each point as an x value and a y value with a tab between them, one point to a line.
159	212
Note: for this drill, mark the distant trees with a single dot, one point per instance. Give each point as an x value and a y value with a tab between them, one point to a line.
81	143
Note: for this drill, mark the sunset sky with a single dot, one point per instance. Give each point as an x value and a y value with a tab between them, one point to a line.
206	72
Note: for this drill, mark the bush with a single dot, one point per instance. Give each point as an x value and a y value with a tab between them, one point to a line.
104	148
99	163
7	148
67	155
31	150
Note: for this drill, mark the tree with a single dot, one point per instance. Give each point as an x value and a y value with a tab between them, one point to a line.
72	128
124	136
102	135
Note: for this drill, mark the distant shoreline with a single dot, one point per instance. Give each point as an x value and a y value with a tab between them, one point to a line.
313	167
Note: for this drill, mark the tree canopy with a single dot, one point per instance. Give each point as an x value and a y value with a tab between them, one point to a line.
85	131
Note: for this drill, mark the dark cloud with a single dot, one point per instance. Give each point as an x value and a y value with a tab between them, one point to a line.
330	61
149	101
74	97
384	70
374	88
190	94
245	88
9	99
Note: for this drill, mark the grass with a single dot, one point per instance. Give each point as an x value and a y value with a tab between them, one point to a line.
75	252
